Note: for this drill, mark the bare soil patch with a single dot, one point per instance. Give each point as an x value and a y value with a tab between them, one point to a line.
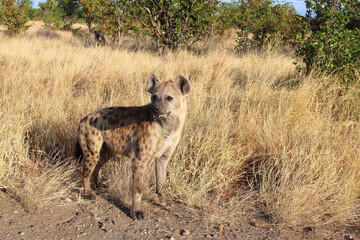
109	220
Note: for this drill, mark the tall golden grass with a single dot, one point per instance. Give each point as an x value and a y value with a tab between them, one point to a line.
252	144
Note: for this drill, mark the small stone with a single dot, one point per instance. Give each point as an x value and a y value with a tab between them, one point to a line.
16	211
21	233
101	225
348	237
221	228
172	238
3	188
185	232
177	231
67	199
84	233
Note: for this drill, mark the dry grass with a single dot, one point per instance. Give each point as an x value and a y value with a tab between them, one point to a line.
251	143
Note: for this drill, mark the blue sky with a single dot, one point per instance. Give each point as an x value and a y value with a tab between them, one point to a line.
298	4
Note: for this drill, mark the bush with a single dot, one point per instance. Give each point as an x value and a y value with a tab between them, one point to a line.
14	15
332	44
59	14
266	21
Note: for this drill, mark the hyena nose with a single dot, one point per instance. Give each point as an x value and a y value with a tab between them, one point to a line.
156	109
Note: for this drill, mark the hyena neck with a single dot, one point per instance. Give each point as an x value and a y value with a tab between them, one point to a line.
170	125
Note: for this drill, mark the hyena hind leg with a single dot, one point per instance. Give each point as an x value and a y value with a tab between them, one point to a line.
105	156
90	159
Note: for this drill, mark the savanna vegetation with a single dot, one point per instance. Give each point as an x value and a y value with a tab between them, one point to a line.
263	136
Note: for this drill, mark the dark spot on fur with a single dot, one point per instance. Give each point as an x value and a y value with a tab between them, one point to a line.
94	121
92	153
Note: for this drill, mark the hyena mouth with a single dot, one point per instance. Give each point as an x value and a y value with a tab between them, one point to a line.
162	116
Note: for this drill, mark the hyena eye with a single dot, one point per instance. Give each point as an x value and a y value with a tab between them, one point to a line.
154	97
169	98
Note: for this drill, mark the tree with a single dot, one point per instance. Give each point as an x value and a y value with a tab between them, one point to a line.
91	10
332	41
60	14
15	14
173	23
265	21
110	16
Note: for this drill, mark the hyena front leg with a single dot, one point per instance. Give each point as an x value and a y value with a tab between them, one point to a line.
137	188
161	167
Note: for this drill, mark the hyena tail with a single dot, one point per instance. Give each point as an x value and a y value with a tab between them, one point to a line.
78	151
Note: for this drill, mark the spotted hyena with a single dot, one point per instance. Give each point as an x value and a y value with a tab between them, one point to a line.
99	39
143	133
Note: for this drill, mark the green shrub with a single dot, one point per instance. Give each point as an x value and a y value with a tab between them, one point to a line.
14	14
262	21
59	14
332	42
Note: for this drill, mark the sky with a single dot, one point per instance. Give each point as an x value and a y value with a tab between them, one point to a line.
298	4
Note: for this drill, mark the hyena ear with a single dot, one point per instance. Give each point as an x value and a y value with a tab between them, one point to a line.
151	83
183	83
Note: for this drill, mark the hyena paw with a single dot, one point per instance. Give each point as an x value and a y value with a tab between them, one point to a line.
137	215
89	195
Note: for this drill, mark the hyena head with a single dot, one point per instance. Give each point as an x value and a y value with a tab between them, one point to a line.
168	98
97	34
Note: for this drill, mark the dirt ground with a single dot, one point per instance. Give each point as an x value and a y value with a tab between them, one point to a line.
104	219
